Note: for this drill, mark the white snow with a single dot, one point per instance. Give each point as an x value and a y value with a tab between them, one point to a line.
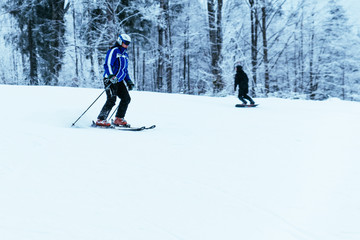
288	169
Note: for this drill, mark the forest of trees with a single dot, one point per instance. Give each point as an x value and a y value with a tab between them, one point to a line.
288	48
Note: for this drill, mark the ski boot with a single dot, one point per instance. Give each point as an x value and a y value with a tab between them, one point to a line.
120	122
102	123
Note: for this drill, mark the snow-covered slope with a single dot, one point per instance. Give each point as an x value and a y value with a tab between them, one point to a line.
288	169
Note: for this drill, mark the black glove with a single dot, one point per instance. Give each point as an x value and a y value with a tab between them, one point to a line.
109	86
107	82
130	85
112	79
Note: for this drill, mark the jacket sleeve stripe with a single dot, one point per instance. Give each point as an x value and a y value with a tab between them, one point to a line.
121	68
109	61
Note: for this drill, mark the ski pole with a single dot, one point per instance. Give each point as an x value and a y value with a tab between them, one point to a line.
89	107
114	112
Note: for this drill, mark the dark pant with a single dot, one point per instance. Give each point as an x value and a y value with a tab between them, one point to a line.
118	89
241	96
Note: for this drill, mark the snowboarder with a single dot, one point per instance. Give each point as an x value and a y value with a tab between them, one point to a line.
115	76
242	80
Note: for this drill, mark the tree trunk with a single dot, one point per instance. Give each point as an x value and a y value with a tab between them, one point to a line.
186	65
185	86
137	69
32	55
265	49
312	85
75	41
254	42
135	57
218	30
58	10
295	64
143	73
168	47
214	16
302	57
343	80
160	63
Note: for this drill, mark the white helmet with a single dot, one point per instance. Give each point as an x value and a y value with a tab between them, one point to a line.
124	38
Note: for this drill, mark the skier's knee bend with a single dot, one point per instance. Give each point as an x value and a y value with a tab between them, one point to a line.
111	101
126	100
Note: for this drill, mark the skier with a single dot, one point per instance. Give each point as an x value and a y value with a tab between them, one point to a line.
242	80
115	76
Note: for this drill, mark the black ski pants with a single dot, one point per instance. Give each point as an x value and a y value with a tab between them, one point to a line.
116	90
243	95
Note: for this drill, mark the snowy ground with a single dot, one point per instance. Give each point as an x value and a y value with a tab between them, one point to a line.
286	170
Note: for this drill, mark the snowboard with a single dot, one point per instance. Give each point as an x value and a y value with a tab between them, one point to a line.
246	105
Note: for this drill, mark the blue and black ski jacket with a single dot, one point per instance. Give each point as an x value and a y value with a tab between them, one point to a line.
116	63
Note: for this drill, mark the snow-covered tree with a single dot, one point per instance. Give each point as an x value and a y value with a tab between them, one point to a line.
288	48
336	52
42	27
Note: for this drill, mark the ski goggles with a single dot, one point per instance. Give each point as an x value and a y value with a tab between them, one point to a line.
127	43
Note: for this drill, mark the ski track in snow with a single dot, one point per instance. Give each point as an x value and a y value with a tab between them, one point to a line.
285	170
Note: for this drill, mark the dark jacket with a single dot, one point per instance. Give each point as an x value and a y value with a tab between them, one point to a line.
242	80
